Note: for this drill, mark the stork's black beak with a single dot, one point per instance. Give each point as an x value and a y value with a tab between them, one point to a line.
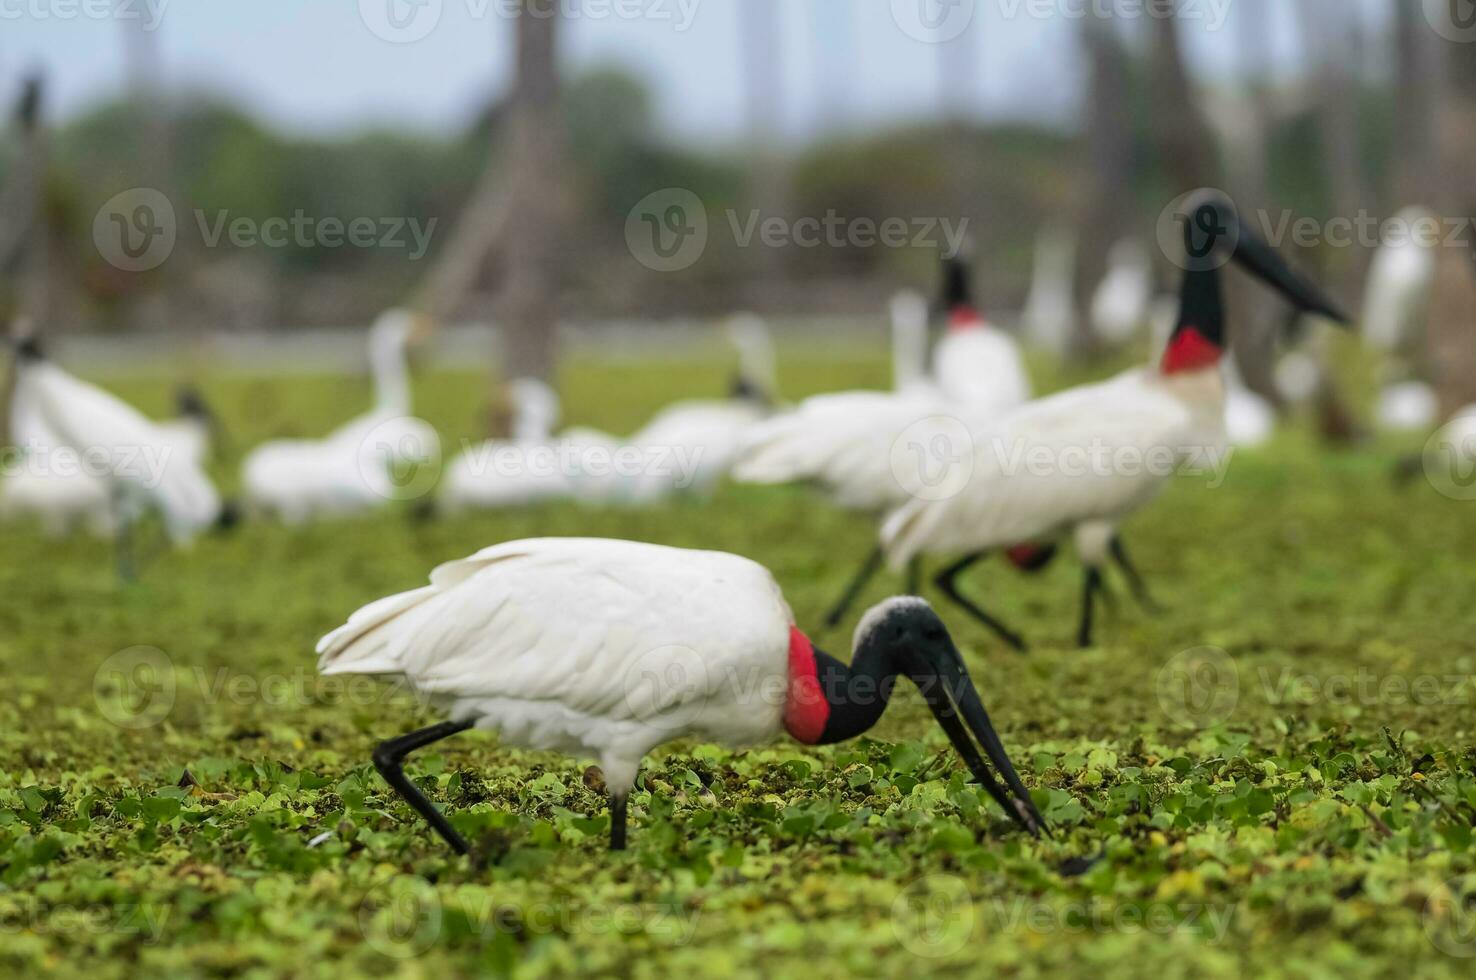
951	695
1213	223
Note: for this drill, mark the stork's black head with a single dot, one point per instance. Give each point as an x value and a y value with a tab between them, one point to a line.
28	349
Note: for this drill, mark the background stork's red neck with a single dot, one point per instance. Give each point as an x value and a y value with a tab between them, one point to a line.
1189	351
965	317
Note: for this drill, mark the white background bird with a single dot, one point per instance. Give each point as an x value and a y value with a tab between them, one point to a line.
64	498
133	459
1050	315
861	447
607	649
512	472
1080	462
1120	306
350	471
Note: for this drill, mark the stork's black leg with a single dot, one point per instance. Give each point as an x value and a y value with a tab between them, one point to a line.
1088	599
868	570
122	538
1135	580
914	577
390	754
946	585
617	821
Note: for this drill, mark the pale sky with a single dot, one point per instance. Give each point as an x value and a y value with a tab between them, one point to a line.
318	66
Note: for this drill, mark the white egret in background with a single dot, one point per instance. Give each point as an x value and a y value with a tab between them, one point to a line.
691	445
1401	279
607	649
1050	315
351	470
133	458
512	472
1122	302
846	444
62	497
1105	445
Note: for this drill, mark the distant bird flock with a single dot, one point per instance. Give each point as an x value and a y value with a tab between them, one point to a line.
607	649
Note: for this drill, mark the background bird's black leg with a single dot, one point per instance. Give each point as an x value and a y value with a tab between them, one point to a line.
1135	581
617	821
122	538
389	756
1088	599
872	566
946	585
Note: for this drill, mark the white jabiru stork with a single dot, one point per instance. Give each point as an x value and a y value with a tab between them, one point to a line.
1121	304
1097	440
65	498
135	461
349	472
708	435
843	443
512	472
1401	279
1050	315
607	649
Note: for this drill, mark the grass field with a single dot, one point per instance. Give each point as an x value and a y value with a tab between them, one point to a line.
1280	769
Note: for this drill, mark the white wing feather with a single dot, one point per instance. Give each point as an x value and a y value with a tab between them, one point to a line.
1010	500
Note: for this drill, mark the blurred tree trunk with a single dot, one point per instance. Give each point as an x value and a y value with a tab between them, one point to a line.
1106	209
1181	134
1249	116
1330	35
535	174
1452	337
760	43
1415	80
21	222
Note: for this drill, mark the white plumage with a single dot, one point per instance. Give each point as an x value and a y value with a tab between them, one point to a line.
1064	464
513	472
1399	281
1121	303
137	466
569	645
1050	314
1410	406
349	471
